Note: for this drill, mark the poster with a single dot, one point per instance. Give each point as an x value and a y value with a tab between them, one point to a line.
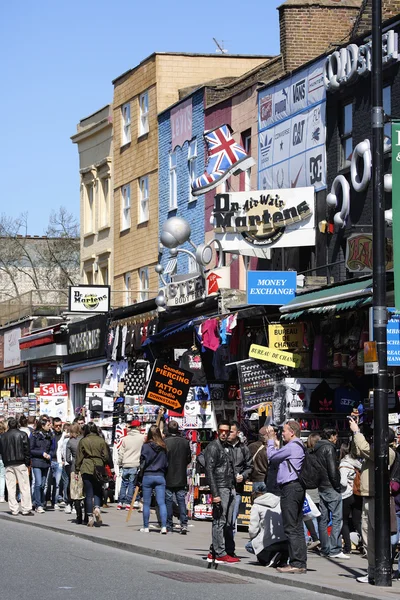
168	386
54	400
243	518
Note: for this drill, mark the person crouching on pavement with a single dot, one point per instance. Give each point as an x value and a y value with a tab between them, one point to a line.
220	475
14	449
293	494
267	537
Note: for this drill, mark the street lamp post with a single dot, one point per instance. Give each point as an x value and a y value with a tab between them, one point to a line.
383	567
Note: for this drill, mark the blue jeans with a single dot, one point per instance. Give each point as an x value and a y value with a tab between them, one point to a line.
2	478
259	486
93	493
156	483
127	485
330	503
56	473
181	501
236	507
40	474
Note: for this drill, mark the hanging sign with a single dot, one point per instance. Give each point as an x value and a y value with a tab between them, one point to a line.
168	386
286	337
359	253
271	287
277	357
396	208
178	293
89	298
54	400
371	365
393	339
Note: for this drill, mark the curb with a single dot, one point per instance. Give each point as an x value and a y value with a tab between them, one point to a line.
195	562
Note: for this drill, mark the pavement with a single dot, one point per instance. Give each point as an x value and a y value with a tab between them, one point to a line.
325	576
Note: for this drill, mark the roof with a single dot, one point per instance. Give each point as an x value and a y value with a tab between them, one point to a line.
322	3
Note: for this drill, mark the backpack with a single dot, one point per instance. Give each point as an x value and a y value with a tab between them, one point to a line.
309	475
394	476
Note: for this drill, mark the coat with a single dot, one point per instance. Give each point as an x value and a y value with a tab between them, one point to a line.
330	477
347	468
243	463
153	460
364	450
14	448
131	447
266	525
40	443
71	451
219	467
92	452
179	456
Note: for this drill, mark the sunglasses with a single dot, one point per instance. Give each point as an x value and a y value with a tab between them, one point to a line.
224	431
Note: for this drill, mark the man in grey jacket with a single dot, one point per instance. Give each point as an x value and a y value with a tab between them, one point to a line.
129	460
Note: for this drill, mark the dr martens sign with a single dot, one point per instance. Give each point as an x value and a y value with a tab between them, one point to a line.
263	218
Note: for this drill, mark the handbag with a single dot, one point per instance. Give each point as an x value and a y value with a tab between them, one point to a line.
76	487
310	511
100	474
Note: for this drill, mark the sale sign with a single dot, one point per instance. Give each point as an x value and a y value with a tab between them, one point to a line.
168	386
54	400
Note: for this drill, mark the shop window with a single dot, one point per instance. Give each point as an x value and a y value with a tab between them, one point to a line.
192	161
144	113
346	134
143	199
143	284
126	207
387	109
126	124
104	274
173	192
89	277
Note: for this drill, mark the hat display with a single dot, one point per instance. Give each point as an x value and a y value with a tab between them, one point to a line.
135	423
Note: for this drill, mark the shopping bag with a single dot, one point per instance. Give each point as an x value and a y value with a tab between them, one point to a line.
310	511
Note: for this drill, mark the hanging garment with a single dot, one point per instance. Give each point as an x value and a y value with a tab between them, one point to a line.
124	335
191	361
322	399
115	345
136	380
209	332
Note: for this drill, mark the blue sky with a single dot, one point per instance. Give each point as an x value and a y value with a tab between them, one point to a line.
58	60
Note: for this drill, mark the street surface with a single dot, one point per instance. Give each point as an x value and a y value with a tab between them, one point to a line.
36	563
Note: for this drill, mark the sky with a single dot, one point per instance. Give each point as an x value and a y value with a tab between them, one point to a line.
59	58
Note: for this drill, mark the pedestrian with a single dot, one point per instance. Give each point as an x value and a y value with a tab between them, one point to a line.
330	497
243	466
14	449
76	483
153	468
220	474
290	460
349	467
42	451
56	466
267	536
260	462
129	460
364	450
312	524
3	429
31	424
23	425
66	469
91	459
179	457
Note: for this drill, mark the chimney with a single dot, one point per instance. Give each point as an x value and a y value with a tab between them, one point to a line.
309	28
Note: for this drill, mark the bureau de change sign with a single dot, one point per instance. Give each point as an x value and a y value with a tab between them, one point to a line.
168	386
271	287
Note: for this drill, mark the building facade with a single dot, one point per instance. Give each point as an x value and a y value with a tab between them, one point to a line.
94	138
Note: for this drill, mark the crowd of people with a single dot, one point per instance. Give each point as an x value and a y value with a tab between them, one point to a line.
311	497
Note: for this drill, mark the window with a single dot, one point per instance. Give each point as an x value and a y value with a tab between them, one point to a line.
144	113
193	266
89	277
126	207
347	134
387	108
246	137
173	193
143	284
104	201
127	283
89	207
126	123
192	158
104	275
143	199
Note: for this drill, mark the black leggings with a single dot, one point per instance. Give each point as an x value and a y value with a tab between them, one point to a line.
351	512
93	492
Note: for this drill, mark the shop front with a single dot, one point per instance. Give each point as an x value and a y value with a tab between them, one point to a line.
13	371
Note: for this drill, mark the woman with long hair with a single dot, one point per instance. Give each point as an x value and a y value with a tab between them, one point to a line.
43	451
153	467
76	485
349	466
3	429
91	458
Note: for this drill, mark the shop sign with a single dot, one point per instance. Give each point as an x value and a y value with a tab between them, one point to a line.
251	221
181	123
344	66
371	365
168	386
89	298
5	393
359	253
393	338
12	354
396	208
53	389
179	293
86	339
277	357
218	279
271	287
286	337
54	400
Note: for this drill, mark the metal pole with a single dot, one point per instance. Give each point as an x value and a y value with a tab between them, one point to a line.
383	567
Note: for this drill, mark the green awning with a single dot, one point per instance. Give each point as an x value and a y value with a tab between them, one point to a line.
329	300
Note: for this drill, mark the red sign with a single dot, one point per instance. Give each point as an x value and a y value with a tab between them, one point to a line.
213	286
53	389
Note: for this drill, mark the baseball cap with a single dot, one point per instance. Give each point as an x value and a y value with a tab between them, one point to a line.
135	423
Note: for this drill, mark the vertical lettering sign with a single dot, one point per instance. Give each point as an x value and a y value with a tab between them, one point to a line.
181	123
168	386
396	208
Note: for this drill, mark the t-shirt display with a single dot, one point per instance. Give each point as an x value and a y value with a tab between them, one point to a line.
191	361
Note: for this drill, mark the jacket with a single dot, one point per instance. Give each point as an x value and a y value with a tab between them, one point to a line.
131	447
92	452
14	448
179	456
153	460
364	450
330	477
41	442
266	526
347	469
260	461
219	467
242	462
71	451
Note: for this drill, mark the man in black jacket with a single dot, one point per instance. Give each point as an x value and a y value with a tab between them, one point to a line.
243	465
330	496
220	474
179	456
14	449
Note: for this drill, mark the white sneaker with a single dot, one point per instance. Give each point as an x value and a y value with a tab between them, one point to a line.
341	556
163	531
57	507
97	516
73	510
144	530
40	509
135	504
68	509
363	579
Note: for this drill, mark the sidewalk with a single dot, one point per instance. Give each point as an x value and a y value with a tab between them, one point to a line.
324	576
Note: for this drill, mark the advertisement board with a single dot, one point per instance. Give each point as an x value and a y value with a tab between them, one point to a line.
168	386
89	298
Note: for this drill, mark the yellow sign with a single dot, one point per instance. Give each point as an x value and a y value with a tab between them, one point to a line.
286	337
5	393
275	356
370	352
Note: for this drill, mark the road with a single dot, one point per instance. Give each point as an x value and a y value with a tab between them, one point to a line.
42	565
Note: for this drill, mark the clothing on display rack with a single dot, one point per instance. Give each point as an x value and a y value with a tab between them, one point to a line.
191	361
